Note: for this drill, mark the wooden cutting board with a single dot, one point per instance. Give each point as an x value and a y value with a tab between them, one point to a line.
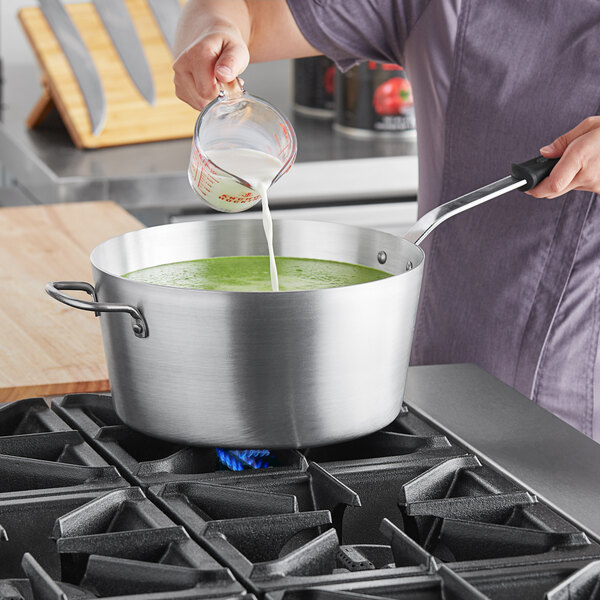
48	348
129	118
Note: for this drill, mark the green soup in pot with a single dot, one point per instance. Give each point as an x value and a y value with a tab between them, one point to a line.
251	274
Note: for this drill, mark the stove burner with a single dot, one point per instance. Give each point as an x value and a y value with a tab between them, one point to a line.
109	512
240	460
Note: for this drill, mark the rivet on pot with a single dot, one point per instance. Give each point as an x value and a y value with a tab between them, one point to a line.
382	257
139	327
409	265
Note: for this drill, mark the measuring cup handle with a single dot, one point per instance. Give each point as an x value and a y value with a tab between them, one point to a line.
232	89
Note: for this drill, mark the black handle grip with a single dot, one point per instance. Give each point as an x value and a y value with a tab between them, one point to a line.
533	170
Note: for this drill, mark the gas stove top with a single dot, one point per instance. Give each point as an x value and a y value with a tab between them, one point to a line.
432	507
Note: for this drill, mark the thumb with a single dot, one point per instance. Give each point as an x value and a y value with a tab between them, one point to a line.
559	145
232	61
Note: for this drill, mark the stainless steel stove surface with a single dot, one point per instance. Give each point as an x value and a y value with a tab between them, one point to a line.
473	492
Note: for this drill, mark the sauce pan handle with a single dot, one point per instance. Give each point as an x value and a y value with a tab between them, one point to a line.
524	176
140	328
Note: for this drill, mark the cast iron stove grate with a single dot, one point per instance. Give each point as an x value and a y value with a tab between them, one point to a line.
40	454
574	581
115	544
147	461
288	529
117	580
462	511
400	513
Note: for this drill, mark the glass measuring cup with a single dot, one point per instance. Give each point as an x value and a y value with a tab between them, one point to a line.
236	119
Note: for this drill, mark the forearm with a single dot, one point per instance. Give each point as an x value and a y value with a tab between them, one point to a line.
274	34
266	27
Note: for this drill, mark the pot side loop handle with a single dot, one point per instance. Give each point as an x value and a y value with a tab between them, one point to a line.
524	176
139	325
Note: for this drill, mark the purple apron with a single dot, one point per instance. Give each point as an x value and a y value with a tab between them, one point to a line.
512	285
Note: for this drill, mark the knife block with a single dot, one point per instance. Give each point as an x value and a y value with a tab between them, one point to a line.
129	118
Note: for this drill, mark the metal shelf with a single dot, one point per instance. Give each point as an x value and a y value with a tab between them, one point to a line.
330	166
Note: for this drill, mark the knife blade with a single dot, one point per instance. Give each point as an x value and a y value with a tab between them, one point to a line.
118	23
80	60
166	14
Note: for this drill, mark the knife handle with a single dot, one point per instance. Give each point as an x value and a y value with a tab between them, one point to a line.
533	170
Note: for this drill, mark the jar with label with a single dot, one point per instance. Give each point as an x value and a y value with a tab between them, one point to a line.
374	99
314	84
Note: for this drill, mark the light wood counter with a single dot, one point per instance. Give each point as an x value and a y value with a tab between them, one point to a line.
47	348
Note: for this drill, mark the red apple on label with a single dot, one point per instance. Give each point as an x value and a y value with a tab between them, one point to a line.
392	97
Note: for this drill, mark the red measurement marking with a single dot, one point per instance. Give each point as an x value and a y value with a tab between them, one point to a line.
283	152
203	177
243	199
195	159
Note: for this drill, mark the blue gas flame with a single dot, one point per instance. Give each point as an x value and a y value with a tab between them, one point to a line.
239	460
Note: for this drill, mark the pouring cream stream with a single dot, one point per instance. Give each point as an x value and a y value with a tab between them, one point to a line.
258	169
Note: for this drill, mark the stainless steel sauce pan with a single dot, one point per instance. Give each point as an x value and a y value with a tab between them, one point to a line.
261	369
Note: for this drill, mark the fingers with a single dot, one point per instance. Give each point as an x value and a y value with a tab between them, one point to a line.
560	178
194	76
233	59
186	90
579	165
559	145
215	56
